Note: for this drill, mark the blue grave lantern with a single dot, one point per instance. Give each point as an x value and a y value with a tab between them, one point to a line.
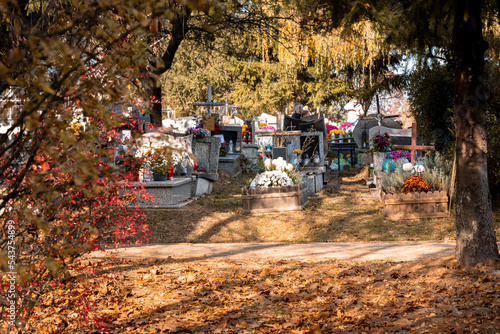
389	163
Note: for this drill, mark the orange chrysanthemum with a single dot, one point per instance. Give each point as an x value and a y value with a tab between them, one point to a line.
415	183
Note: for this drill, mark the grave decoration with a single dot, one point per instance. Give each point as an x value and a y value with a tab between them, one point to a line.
161	166
198	132
162	151
381	147
366	125
278	188
246	133
329	131
348	129
416	192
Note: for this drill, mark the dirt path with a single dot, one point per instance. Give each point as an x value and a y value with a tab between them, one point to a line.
400	251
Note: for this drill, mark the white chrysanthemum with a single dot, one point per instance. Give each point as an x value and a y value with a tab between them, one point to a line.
419	168
407	167
271	179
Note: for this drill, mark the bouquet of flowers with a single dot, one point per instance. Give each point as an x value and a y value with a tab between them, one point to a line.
398	154
271	179
381	142
278	173
348	128
198	132
329	128
279	165
268	127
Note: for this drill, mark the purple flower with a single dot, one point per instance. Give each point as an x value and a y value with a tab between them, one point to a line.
396	154
330	128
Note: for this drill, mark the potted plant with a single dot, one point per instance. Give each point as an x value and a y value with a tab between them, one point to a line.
160	168
381	145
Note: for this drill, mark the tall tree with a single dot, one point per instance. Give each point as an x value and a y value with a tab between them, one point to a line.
200	21
476	242
421	26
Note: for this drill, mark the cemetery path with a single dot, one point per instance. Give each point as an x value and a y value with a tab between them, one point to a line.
389	251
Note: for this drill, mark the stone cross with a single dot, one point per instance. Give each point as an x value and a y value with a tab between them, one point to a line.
414	147
209	104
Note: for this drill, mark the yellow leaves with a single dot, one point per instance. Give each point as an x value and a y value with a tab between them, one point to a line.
344	47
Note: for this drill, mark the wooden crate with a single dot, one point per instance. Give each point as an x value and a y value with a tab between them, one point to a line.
274	199
415	205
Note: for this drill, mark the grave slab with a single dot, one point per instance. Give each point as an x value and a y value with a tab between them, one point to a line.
230	164
250	151
170	194
201	186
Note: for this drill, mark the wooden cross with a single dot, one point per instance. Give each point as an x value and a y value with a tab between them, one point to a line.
413	147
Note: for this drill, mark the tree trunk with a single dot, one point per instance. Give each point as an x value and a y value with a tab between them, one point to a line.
178	32
156	114
476	241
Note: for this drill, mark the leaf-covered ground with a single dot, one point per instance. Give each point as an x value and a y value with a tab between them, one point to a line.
252	296
262	296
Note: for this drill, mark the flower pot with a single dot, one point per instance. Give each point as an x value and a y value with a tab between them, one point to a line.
159	177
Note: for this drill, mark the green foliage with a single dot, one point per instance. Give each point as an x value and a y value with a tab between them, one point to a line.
158	165
254	168
431	94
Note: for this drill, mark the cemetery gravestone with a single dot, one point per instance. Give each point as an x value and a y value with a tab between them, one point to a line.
398	136
206	150
368	122
233	133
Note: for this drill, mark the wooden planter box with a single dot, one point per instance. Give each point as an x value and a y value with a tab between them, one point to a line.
415	205
274	199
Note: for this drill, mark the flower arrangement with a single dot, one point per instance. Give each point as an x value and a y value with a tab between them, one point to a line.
398	154
198	132
247	136
262	124
348	128
271	179
76	126
278	173
346	125
222	151
381	142
159	165
279	164
335	134
268	127
415	183
244	128
329	128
